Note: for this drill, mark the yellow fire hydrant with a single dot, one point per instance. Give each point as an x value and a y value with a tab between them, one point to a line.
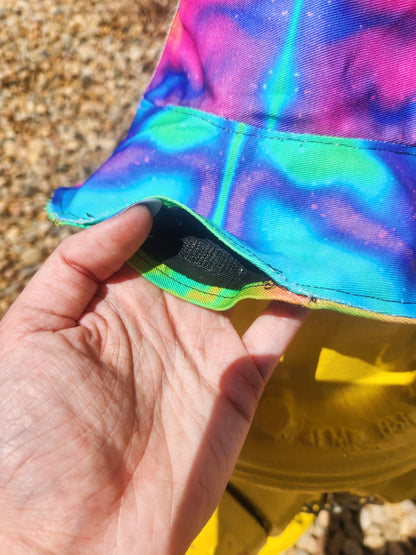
339	414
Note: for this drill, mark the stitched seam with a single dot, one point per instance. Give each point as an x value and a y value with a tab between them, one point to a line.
324	141
158	269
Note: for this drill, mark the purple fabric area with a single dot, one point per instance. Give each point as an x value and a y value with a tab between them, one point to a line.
339	67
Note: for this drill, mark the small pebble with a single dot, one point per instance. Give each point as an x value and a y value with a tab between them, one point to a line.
391	530
307	542
365	518
323	519
30	256
373	541
378	514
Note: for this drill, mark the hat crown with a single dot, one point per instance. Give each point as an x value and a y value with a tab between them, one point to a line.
329	67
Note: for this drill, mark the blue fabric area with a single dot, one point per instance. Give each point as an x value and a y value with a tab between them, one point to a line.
348	18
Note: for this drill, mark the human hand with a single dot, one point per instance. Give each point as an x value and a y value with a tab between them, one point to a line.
123	409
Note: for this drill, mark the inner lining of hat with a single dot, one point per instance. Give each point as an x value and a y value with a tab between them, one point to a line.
185	245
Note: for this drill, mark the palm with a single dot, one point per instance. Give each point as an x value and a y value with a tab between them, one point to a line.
140	411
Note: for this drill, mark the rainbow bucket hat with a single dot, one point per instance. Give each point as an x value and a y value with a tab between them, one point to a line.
277	138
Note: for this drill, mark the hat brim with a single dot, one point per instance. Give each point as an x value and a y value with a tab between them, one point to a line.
329	221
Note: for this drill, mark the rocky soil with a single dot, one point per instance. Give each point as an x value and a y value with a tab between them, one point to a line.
71	75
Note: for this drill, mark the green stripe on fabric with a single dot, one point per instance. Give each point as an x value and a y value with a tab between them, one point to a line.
234	151
282	82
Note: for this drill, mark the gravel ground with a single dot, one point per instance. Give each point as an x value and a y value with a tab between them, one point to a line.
70	80
71	77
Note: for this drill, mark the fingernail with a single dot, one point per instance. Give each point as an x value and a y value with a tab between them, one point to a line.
154	205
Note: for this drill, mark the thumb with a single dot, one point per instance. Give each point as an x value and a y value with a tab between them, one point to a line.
61	290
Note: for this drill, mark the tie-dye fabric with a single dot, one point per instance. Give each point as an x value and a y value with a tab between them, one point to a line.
285	128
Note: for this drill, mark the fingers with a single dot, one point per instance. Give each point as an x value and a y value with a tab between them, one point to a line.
61	290
270	334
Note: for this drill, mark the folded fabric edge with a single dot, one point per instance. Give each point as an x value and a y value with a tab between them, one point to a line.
219	298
